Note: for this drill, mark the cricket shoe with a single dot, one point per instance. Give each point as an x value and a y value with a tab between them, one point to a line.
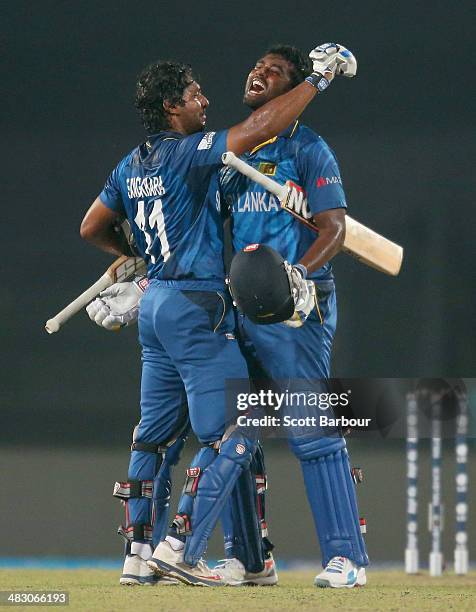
341	573
268	577
136	572
166	561
233	573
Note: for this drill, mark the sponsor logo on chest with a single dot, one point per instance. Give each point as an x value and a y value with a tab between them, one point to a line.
296	201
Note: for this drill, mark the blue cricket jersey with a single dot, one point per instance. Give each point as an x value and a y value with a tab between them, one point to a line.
167	188
300	155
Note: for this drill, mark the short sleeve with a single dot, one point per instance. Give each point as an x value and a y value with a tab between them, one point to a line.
111	196
321	177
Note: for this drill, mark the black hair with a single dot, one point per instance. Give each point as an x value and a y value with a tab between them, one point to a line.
302	65
158	82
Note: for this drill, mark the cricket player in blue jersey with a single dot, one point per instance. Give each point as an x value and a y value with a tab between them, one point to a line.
167	189
300	155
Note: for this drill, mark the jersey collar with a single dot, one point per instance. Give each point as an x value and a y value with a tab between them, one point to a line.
287	133
165	135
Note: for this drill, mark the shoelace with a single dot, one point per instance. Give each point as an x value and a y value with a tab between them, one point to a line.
202	566
205	571
337	563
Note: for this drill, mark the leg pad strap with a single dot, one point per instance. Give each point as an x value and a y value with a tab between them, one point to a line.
133	489
135	532
182	524
357	475
191	480
148	447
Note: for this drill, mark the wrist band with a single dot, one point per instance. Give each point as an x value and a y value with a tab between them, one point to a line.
318	81
141	282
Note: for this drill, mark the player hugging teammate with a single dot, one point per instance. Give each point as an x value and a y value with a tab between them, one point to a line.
167	189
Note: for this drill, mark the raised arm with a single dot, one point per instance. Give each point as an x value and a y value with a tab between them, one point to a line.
328	60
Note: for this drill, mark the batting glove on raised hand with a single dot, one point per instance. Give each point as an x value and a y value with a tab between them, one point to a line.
118	306
328	60
303	292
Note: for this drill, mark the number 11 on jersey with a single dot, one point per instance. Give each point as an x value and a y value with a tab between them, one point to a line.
153	224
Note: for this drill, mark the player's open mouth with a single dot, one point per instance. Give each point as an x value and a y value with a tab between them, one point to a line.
257	87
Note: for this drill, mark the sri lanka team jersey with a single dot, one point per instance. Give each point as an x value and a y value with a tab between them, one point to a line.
300	155
168	190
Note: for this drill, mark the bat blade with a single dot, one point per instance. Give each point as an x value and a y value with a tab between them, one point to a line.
361	242
372	248
122	269
126	267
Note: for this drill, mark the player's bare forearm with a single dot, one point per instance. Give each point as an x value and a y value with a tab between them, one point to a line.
331	225
107	241
98	229
272	118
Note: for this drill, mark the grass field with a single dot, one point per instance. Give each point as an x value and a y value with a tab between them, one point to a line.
393	590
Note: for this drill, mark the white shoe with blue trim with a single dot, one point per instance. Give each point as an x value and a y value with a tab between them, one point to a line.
340	573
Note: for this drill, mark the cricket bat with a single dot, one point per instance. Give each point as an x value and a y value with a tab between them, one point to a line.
121	270
360	241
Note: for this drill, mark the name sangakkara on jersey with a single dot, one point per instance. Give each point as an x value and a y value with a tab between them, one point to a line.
141	187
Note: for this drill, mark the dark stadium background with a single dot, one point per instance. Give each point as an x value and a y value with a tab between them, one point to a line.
404	135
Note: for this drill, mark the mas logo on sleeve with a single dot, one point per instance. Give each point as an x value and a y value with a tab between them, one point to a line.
323	181
206	142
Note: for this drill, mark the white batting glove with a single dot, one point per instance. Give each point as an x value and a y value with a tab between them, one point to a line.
328	60
118	306
304	294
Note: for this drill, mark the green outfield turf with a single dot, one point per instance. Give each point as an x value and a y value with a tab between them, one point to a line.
99	590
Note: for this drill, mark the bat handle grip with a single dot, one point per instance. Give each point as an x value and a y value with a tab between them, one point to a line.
53	324
230	159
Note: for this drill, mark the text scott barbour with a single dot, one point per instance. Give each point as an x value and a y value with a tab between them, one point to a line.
288	400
